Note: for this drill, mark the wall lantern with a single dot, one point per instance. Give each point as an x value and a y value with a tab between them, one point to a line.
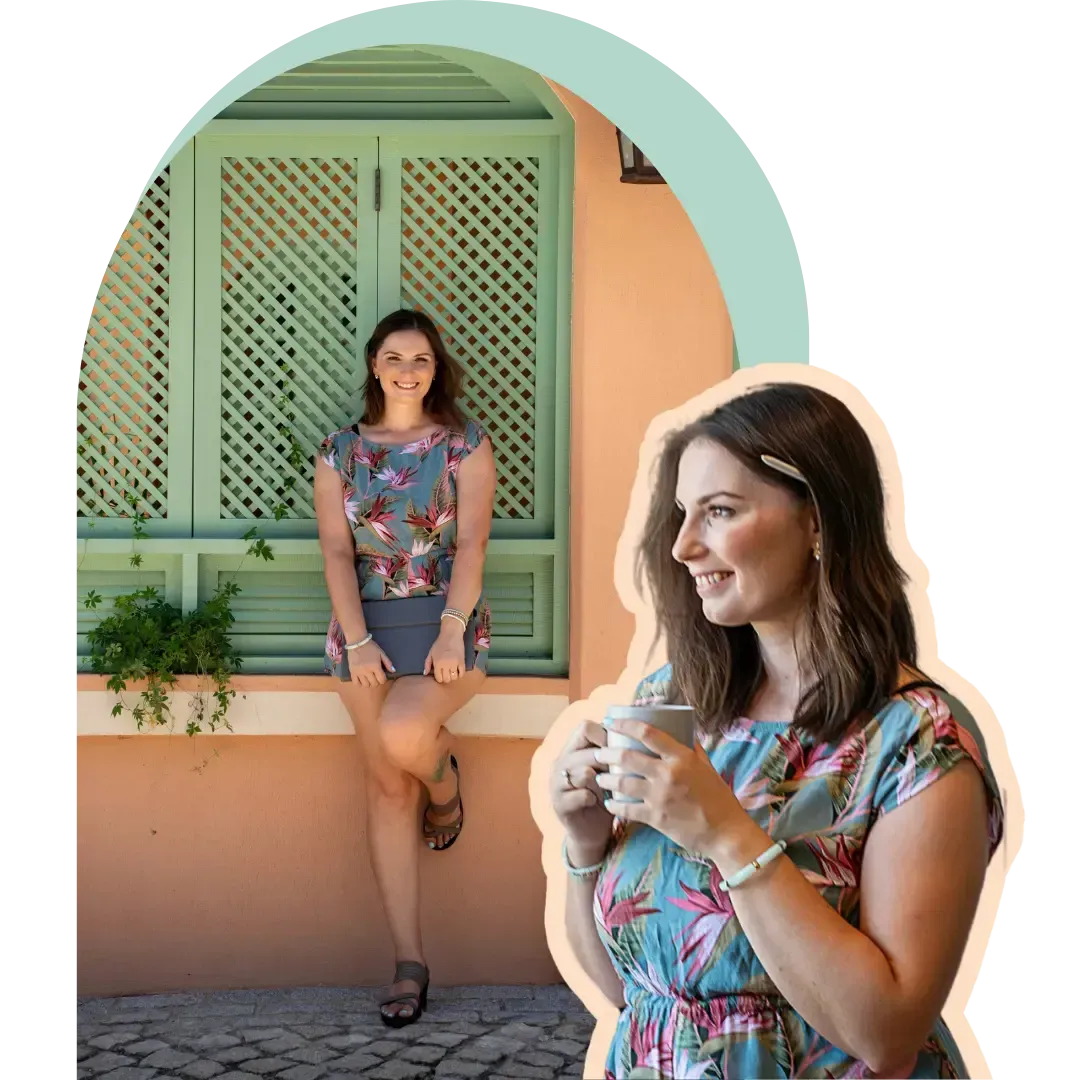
636	167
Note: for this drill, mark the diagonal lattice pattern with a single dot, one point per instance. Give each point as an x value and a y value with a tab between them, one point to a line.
123	404
288	322
469	243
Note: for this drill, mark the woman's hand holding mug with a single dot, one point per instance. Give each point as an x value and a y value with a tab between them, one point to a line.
578	799
681	794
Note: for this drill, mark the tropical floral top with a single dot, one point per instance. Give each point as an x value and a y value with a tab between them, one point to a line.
401	501
699	1002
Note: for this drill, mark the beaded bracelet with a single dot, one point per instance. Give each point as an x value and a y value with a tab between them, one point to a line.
752	868
453	613
580	871
359	644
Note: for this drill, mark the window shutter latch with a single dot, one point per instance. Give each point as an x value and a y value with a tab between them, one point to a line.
378	190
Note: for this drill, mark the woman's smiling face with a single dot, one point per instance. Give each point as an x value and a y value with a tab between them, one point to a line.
405	365
748	543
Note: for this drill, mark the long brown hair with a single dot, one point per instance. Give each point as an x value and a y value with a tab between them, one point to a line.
440	402
858	620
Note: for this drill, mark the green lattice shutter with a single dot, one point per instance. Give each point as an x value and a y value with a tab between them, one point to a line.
134	401
285	270
286	291
469	233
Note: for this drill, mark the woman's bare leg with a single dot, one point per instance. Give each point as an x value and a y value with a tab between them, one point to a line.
392	799
415	739
400	724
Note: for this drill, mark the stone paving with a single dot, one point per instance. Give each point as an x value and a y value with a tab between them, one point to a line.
466	1033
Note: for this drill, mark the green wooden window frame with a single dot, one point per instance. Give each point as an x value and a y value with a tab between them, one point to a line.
261	281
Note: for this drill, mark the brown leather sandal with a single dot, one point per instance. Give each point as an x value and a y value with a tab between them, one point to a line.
417	1002
432	831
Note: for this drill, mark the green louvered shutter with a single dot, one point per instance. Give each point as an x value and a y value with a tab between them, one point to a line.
286	290
282	611
469	233
134	400
111	575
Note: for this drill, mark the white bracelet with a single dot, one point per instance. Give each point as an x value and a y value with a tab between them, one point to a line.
453	613
359	644
580	871
752	868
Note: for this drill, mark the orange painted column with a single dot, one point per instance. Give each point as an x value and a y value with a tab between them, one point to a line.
650	329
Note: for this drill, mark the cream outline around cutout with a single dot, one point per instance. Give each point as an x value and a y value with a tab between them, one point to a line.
640	662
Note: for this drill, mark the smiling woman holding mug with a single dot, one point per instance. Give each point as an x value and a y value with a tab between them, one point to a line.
791	896
404	502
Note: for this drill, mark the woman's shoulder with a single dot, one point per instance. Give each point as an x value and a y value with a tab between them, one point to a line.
655	689
338	443
345	436
919	736
467	435
930	714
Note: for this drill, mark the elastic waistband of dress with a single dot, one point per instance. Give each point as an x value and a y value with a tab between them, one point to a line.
734	1001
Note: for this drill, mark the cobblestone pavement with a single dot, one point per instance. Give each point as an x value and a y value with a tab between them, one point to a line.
466	1033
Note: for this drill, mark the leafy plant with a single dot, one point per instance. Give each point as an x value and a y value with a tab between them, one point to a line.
147	638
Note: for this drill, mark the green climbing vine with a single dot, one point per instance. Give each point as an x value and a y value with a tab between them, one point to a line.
145	638
294	450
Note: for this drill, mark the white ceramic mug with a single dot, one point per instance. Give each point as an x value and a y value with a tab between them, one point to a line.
678	721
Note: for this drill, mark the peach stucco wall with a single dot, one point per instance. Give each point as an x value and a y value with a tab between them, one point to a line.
650	329
240	861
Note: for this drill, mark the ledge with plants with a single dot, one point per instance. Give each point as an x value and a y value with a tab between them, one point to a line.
153	643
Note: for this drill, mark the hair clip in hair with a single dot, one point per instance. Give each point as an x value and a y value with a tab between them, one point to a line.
785	468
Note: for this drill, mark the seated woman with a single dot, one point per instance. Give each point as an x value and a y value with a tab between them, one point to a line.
404	504
793	896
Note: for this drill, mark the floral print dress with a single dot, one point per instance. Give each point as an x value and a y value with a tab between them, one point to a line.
401	501
699	1002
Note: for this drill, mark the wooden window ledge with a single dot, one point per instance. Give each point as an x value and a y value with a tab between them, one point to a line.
493	684
506	707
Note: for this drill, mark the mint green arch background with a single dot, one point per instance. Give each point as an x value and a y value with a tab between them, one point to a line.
707	165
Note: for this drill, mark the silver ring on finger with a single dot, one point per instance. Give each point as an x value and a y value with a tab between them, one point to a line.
570	785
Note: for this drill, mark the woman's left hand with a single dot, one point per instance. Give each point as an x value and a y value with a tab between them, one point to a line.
684	797
446	660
